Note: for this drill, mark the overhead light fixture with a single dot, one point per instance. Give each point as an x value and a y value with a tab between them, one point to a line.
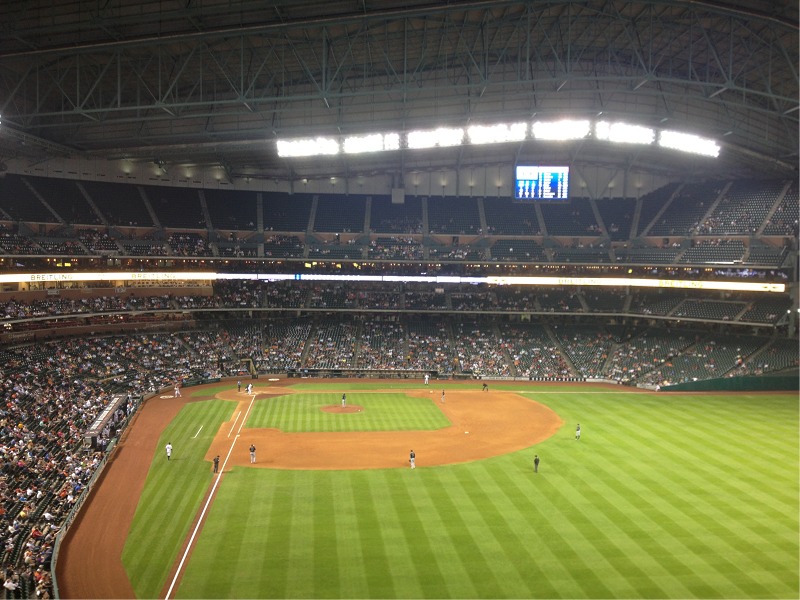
624	133
441	138
687	142
376	142
565	129
495	134
307	147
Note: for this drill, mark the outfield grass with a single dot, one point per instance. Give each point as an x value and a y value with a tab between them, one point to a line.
665	496
172	495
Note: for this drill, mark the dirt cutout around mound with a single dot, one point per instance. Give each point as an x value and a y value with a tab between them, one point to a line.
342	410
484	424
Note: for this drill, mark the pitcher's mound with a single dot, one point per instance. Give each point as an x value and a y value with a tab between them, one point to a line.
335	408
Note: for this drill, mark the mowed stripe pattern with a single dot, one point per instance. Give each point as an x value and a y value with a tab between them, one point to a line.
172	495
380	412
663	497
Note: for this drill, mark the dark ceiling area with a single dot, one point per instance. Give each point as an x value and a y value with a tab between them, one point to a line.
217	82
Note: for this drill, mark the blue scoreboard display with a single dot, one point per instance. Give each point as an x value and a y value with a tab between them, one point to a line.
537	183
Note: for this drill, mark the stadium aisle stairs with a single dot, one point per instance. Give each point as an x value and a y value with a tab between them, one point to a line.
573	372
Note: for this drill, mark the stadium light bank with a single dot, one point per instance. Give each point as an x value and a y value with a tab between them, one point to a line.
616	132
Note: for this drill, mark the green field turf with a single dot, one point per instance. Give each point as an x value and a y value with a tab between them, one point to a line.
382	412
665	496
172	495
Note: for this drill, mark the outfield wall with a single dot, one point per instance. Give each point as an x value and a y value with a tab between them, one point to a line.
738	384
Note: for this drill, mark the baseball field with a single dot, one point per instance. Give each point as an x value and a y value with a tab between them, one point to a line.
664	495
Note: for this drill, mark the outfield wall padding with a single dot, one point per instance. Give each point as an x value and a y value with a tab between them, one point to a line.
738	384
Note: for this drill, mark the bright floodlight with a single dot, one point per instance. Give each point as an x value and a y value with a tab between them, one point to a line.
376	142
624	133
307	147
495	134
566	129
441	137
686	142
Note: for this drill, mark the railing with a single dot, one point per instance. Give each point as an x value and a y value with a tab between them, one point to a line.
87	490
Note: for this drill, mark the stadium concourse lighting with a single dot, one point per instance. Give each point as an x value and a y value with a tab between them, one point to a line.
623	133
488	133
376	142
433	138
687	142
496	134
307	147
566	129
124	276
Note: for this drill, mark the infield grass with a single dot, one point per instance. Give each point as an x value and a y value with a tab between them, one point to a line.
665	496
382	412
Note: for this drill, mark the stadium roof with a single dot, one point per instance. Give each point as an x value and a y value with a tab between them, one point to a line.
217	82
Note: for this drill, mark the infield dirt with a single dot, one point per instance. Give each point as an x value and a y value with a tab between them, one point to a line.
483	424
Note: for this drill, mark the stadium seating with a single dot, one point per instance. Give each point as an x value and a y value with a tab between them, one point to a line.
405	218
286	213
652	203
714	252
340	214
517	250
632	336
382	346
177	208
784	221
231	209
617	215
742	209
685	212
582	254
574	219
66	199
506	217
453	216
533	352
20	203
395	248
121	205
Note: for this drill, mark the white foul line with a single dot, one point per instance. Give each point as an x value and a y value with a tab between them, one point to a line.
198	432
208	502
234	421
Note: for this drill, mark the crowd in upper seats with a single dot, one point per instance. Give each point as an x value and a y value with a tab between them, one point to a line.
746	208
284	296
46	408
52	392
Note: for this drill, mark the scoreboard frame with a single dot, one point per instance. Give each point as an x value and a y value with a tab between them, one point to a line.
541	183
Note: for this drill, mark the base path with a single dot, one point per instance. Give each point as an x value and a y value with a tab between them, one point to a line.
90	562
484	424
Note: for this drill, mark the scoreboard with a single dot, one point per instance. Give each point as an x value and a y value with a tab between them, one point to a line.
537	183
